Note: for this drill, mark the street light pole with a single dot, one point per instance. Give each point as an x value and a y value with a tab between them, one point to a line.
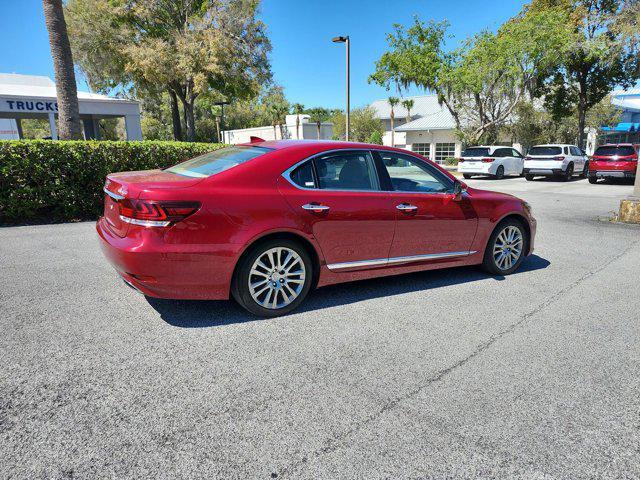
346	41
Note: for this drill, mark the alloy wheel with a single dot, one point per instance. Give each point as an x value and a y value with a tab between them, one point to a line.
508	247
276	278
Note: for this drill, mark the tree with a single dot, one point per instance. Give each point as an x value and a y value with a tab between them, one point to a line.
602	54
69	127
298	109
363	124
278	112
318	115
393	101
187	48
408	105
481	81
375	138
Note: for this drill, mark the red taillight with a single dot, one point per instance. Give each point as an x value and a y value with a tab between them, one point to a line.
155	214
527	159
559	158
487	160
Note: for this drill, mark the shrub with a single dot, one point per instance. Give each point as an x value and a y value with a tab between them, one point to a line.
451	161
43	181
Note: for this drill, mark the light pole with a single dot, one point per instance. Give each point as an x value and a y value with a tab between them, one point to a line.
346	41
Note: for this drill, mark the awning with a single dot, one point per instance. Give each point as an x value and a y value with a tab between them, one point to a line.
623	127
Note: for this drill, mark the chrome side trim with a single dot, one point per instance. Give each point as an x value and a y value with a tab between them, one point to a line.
115	196
396	260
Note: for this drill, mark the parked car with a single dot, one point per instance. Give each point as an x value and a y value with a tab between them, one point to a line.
613	161
555	160
267	222
493	160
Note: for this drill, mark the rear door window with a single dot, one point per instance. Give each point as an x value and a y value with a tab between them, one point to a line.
217	161
516	153
351	170
303	175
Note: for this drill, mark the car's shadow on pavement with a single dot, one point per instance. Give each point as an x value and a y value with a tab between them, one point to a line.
209	313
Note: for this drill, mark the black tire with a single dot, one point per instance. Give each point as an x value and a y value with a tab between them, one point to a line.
528	177
593	180
568	173
499	173
467	175
240	285
585	170
489	263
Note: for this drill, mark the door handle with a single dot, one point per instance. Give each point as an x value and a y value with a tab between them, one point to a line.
406	207
314	207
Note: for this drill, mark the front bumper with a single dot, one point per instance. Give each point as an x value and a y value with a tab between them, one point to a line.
161	270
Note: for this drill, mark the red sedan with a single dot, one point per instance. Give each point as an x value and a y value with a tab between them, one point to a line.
267	222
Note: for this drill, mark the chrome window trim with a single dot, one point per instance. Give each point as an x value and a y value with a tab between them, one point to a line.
398	260
115	196
287	173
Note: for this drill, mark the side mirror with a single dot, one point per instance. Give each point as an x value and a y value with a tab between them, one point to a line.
458	189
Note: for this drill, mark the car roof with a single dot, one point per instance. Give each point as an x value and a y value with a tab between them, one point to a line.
555	145
321	145
616	145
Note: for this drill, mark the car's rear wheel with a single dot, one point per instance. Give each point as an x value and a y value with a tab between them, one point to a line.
593	179
466	175
585	170
499	173
568	173
528	177
273	278
506	248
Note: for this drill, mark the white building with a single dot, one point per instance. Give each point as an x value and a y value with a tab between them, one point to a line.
307	130
628	129
430	131
27	96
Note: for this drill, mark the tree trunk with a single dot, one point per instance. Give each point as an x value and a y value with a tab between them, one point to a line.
190	119
69	126
275	136
318	127
582	113
298	127
218	129
175	117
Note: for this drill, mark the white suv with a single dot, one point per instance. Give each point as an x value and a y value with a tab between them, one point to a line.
494	160
554	160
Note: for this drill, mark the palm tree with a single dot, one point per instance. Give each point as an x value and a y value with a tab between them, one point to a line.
393	101
408	104
68	112
297	108
277	112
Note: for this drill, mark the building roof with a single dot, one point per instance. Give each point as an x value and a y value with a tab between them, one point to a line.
430	114
17	85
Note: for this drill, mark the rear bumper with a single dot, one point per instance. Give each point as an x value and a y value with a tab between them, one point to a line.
612	174
544	172
170	271
478	168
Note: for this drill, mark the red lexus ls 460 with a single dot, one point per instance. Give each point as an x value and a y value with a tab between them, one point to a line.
267	222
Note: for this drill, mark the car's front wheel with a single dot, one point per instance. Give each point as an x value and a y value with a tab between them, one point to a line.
467	176
593	179
528	177
273	278
506	248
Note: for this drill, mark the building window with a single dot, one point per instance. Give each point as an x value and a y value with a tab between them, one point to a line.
444	151
422	148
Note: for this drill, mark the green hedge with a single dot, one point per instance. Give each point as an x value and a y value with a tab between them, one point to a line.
44	181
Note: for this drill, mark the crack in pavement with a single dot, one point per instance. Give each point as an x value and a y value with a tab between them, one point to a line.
335	442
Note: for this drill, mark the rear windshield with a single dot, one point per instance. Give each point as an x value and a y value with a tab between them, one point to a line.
545	151
476	152
622	151
217	161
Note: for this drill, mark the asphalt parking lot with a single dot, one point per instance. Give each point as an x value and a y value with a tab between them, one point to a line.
447	374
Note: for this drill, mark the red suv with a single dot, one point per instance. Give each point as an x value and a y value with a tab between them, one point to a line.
613	161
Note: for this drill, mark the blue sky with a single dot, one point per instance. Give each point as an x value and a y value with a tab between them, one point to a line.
304	60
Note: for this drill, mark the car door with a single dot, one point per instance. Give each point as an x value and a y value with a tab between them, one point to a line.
518	161
337	196
504	154
577	158
431	222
